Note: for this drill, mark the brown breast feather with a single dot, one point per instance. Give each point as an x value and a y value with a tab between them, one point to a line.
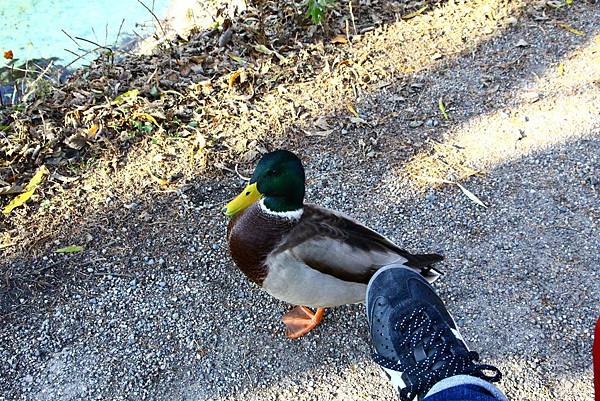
252	235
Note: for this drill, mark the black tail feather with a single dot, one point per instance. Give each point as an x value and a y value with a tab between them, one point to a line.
423	260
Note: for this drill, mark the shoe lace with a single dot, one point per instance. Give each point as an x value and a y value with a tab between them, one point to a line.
417	329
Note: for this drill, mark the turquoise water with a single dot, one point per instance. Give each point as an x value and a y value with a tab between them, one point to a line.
32	28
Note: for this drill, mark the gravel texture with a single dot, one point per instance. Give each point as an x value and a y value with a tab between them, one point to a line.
154	309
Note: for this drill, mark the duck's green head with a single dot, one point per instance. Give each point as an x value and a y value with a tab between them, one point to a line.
279	178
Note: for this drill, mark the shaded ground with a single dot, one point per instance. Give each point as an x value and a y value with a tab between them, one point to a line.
154	309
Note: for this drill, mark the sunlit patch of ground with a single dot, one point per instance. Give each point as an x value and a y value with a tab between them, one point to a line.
559	106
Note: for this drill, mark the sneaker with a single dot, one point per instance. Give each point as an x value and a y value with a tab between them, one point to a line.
416	340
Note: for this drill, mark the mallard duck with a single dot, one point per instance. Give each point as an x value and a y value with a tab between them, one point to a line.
304	254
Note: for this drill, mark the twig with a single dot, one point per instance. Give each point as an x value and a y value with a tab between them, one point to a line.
94	43
94	32
89	262
151	76
24	77
73	53
43	124
155	17
44	269
348	34
352	16
119	32
41	70
113	274
32	86
70	37
173	92
14	95
140	37
78	56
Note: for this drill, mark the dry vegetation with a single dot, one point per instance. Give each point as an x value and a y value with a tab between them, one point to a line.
219	99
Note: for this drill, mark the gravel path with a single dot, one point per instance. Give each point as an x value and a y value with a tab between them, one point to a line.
154	308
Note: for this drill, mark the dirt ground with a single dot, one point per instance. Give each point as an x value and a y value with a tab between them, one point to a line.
502	97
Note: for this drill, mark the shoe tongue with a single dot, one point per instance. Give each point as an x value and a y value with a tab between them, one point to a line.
417	338
404	330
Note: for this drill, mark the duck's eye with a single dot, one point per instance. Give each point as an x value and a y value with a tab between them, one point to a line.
247	193
273	172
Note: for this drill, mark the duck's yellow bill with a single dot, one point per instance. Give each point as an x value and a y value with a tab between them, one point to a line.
248	196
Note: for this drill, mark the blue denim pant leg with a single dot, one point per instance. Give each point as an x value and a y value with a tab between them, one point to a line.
464	388
462	392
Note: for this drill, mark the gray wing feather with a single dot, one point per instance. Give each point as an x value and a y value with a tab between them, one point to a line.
335	244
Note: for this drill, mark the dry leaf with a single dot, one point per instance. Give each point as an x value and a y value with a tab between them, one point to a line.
203	87
127	97
263	49
442	108
237	58
470	195
555	4
200	142
70	249
341	39
358	120
323	133
225	37
415	13
147	117
569	28
522	43
5	245
93	130
29	190
322	123
352	110
62	178
76	141
233	77
11	190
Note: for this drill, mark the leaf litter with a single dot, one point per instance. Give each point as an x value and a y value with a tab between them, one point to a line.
198	105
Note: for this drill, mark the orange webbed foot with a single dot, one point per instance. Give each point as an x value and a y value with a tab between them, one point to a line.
301	320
